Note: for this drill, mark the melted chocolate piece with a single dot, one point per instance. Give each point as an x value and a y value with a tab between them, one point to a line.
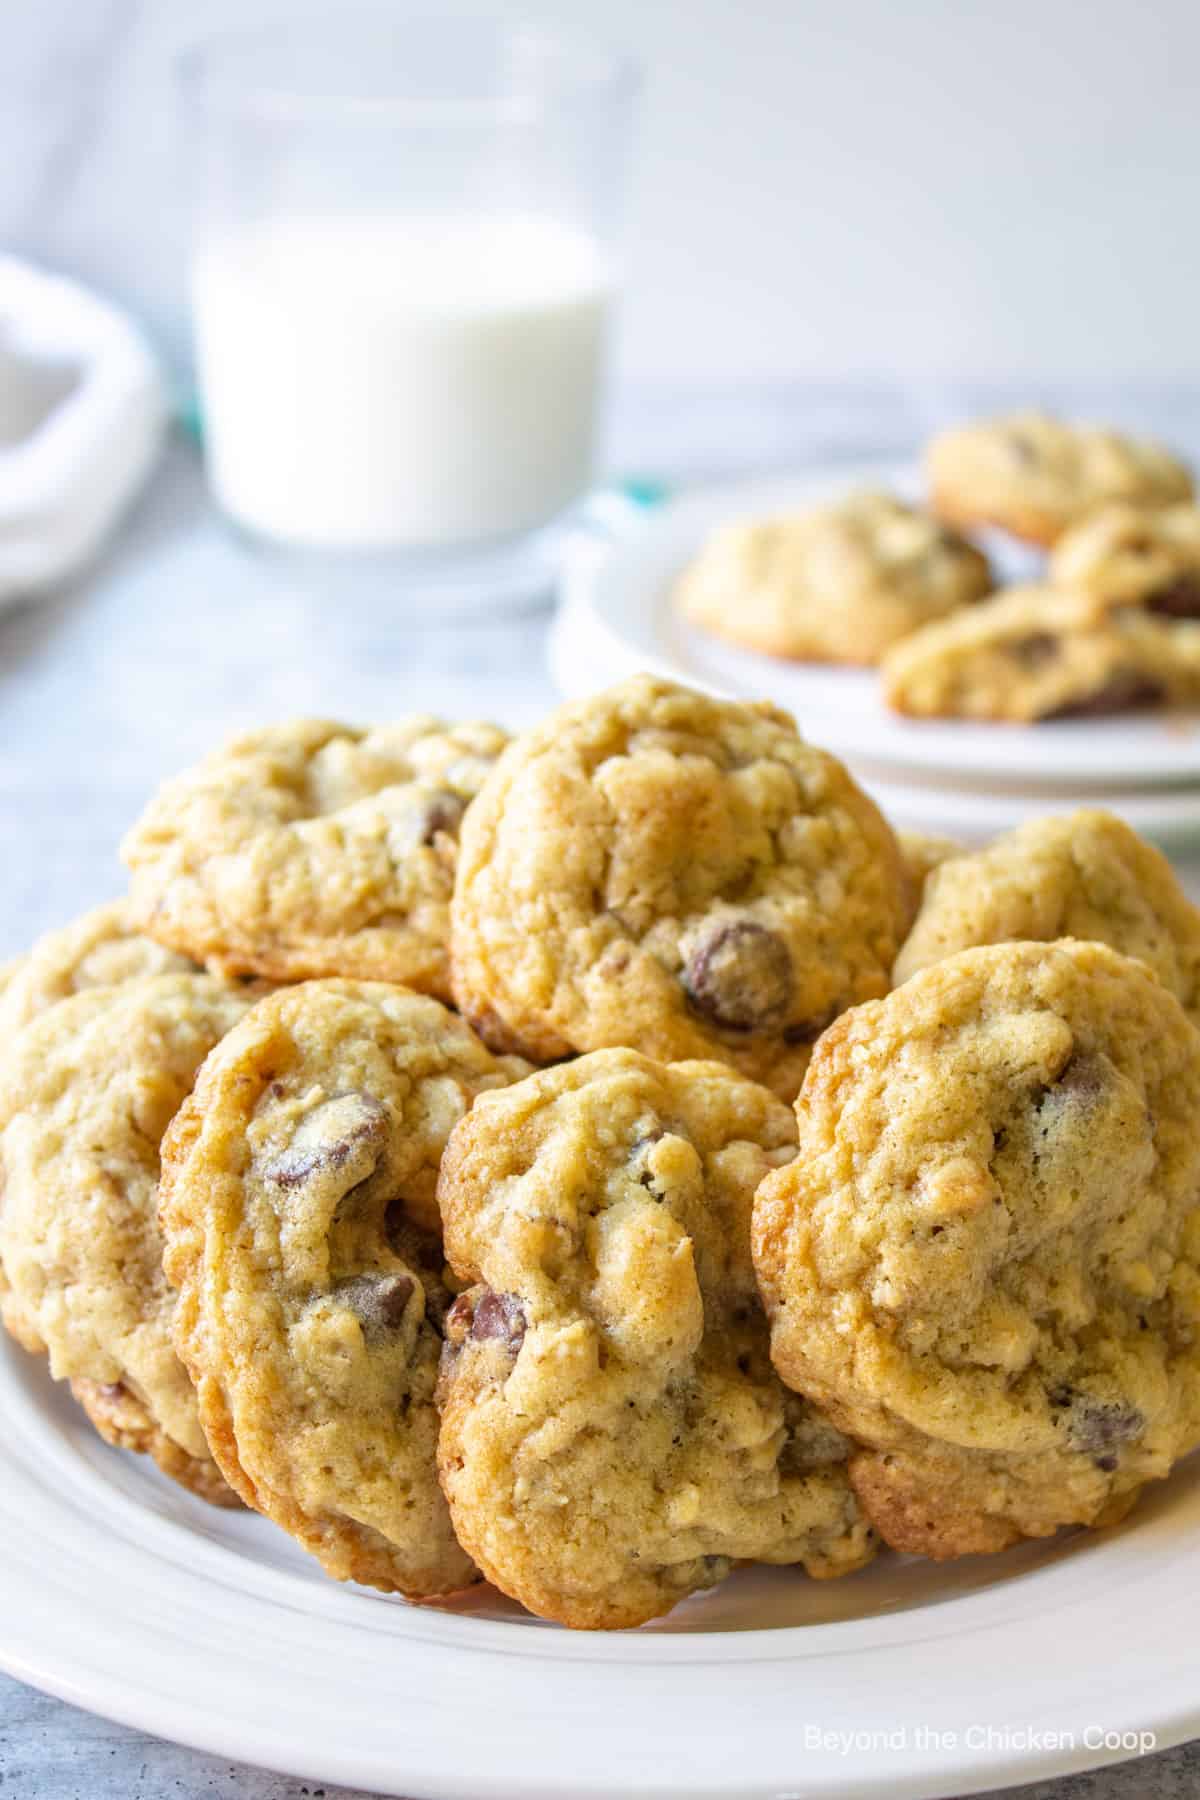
1098	1428
1126	690
1180	599
350	1126
499	1318
738	974
485	1317
1035	649
379	1302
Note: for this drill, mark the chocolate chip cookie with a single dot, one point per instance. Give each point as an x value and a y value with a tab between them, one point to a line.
1035	476
104	948
657	868
1037	654
300	1218
837	583
313	848
1085	875
613	1436
86	1091
984	1262
1135	556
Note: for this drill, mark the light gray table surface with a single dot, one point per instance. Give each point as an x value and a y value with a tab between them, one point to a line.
182	634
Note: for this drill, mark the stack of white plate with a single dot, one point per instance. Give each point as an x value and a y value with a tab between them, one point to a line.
962	780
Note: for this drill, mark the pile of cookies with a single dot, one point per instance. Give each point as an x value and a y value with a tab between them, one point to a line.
1112	626
412	1157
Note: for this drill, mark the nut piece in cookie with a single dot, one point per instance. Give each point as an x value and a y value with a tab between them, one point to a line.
86	1092
104	948
300	1217
613	1436
1085	875
1035	476
984	1261
838	583
657	868
313	848
1036	654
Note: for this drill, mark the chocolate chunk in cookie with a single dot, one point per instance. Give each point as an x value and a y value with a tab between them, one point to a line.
738	973
379	1302
341	1139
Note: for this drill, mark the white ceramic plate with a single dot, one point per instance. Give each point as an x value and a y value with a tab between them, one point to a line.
121	1593
1169	817
617	618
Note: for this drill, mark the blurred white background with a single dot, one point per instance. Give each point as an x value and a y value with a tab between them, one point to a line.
832	188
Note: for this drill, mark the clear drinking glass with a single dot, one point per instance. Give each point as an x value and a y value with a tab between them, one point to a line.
403	275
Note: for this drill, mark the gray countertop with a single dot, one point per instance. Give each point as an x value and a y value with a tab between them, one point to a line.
184	634
51	1752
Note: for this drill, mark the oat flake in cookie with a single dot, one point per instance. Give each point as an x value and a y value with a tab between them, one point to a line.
984	1261
86	1092
300	1217
613	1435
313	848
657	868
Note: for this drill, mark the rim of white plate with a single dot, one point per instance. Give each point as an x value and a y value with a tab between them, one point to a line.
616	618
125	1595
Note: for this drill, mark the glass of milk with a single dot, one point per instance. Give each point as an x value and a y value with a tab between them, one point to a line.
403	278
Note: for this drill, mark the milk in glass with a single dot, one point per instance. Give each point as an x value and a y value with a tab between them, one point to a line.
375	381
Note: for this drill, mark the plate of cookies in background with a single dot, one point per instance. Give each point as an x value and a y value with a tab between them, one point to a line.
1024	606
586	1263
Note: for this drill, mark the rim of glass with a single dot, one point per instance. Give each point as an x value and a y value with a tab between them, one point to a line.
588	68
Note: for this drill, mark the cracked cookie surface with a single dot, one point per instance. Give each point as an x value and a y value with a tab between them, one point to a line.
838	583
313	848
613	1435
299	1211
1035	476
86	1092
1085	875
983	1261
657	868
1037	654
